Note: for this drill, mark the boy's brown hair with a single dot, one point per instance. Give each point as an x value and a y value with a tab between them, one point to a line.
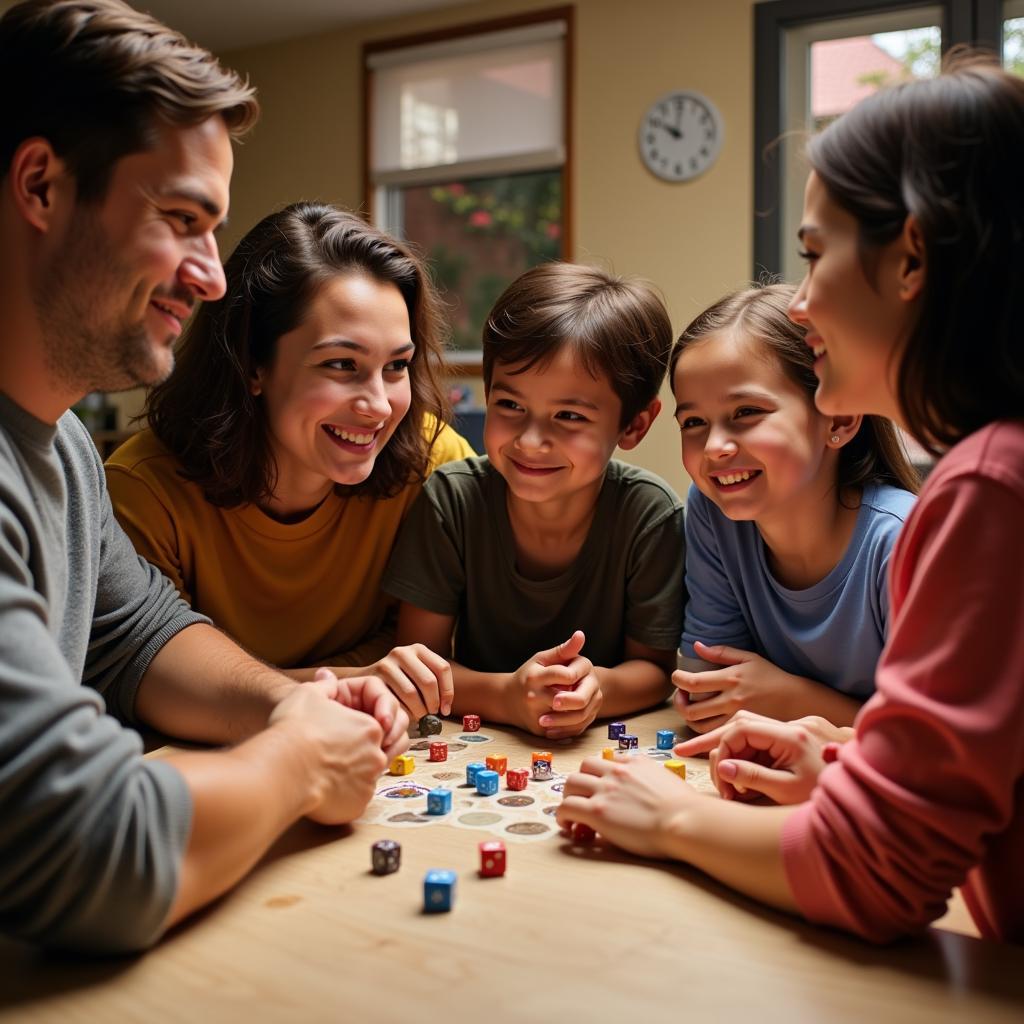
612	325
95	77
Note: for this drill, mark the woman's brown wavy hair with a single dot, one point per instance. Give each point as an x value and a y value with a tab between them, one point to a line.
205	413
875	454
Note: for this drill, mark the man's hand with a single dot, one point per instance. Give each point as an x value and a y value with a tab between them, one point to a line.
340	745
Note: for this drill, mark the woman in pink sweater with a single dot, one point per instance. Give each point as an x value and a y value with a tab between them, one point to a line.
914	304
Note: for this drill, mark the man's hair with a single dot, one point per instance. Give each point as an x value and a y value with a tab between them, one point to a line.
206	414
95	78
611	325
760	314
947	151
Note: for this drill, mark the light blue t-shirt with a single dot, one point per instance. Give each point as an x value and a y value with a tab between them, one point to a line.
832	632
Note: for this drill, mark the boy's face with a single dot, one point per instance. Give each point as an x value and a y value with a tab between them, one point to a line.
551	430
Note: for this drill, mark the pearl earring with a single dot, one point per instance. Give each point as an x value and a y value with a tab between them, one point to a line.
834	439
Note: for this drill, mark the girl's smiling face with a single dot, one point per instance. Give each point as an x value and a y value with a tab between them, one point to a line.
752	440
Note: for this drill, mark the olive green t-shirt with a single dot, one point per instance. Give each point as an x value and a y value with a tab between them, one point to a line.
456	556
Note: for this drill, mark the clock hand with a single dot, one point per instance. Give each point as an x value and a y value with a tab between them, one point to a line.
671	129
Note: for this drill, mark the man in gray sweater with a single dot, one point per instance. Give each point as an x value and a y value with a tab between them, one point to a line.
115	162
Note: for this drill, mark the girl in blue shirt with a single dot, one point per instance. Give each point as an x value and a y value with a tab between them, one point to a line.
789	523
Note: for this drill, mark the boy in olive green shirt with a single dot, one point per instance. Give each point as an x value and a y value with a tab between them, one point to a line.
550	573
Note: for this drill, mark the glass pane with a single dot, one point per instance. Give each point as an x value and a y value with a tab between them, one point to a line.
479	235
468	107
1013	37
844	71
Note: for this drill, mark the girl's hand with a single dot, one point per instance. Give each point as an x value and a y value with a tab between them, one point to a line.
707	700
419	677
630	802
556	693
759	760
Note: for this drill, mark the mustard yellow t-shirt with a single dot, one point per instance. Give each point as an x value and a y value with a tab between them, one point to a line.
293	594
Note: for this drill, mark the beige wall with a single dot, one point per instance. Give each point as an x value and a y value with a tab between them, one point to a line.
693	240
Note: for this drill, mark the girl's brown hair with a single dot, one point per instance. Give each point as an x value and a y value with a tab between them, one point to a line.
205	412
875	454
948	152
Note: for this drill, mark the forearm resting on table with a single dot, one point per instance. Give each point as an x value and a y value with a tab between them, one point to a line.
632	686
482	693
242	800
813	698
739	844
202	686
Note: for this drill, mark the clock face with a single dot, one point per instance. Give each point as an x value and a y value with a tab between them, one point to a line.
680	136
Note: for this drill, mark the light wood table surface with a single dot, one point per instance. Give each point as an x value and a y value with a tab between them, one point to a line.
570	934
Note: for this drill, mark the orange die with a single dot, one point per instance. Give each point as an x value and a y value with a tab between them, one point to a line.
497	764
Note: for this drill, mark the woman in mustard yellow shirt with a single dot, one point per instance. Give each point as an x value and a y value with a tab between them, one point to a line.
304	413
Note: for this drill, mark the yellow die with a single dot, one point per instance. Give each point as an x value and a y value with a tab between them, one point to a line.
608	754
403	765
676	767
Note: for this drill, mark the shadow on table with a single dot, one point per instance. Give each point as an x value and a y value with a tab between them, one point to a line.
33	975
959	963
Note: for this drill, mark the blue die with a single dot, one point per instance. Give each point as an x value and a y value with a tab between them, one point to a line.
665	739
487	782
616	729
471	771
438	891
439	801
627	741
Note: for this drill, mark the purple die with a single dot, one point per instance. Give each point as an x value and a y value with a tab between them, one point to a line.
616	729
627	741
387	855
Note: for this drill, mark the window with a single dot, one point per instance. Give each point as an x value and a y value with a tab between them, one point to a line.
817	58
1013	36
468	155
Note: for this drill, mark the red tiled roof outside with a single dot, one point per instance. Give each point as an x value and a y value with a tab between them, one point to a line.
838	67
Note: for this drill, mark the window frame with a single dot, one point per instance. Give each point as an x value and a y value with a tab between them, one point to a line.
979	22
469	362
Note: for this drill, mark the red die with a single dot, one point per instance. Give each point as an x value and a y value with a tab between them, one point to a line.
492	859
438	752
497	764
582	833
516	778
471	723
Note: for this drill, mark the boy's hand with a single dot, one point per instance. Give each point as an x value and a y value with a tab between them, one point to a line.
419	677
707	700
556	693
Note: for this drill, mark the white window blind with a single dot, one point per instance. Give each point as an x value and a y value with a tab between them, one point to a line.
468	107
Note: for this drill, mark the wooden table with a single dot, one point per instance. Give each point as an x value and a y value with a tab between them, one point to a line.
567	935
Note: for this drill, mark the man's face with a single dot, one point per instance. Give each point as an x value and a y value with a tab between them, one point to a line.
127	271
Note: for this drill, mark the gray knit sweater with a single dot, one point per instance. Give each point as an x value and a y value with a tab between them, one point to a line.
91	835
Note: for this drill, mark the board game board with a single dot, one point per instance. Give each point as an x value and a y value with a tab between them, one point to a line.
526	816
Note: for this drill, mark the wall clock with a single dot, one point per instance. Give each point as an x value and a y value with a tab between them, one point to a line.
680	135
